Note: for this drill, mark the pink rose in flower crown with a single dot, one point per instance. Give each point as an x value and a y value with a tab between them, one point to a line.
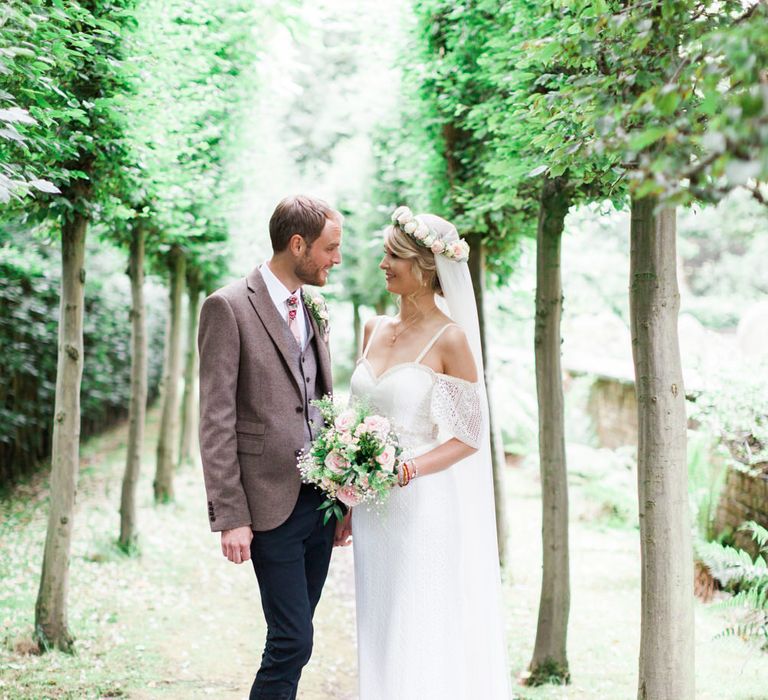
348	496
335	462
376	424
457	249
345	420
386	458
437	247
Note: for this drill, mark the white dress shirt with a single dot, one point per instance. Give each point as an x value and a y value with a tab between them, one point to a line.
280	293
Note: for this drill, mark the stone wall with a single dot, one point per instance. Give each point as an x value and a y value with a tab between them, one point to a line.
612	408
744	497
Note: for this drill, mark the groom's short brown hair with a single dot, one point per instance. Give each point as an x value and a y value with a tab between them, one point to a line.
302	215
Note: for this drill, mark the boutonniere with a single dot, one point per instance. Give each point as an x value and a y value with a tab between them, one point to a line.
319	310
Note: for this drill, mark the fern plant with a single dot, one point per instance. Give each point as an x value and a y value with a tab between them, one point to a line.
746	578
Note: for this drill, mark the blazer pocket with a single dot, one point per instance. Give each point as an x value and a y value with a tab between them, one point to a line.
250	444
249	427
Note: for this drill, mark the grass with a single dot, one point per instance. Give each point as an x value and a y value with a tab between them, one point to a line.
178	621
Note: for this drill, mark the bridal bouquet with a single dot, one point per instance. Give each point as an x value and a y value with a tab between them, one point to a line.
354	459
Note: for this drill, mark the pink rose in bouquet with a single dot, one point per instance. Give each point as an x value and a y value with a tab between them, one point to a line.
348	495
336	462
375	424
386	458
345	420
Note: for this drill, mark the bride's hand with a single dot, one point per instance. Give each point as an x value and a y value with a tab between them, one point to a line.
343	535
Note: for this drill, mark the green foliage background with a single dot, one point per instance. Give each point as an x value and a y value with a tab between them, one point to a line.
29	312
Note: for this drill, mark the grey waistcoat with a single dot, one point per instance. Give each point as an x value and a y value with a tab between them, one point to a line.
308	368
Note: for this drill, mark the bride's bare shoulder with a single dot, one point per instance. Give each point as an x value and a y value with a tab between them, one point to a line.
456	354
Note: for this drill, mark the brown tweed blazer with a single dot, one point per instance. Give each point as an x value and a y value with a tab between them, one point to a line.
251	407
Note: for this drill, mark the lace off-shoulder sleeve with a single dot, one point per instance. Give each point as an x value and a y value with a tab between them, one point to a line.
456	407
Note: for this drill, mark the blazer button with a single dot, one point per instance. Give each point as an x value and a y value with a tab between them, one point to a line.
299	409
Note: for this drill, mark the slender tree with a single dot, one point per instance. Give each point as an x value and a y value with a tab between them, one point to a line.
167	444
644	92
71	79
550	658
518	115
138	400
201	54
188	403
51	607
666	644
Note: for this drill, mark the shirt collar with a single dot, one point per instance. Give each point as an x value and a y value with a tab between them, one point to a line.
277	290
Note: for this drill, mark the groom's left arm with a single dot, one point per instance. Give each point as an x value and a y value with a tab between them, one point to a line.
219	346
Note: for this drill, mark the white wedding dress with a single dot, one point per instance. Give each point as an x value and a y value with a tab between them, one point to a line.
413	615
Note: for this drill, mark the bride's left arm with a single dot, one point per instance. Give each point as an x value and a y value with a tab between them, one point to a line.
459	364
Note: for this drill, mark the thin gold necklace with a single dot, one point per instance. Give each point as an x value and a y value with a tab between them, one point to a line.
397	333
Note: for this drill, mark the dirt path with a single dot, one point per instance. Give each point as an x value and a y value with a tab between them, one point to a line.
211	646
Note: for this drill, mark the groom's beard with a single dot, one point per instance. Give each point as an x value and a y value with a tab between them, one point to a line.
309	272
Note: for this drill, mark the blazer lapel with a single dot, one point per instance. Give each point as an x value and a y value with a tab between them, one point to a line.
258	295
323	353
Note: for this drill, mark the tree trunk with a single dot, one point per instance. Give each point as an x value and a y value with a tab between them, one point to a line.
550	661
477	271
357	332
188	403
51	627
666	554
138	401
169	417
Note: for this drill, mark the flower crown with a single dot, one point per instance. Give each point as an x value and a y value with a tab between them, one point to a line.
448	245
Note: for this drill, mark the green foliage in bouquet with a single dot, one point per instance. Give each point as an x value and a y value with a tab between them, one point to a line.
354	459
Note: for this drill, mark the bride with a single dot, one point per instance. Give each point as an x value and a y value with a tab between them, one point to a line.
429	611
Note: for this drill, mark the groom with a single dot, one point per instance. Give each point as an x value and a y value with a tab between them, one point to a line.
263	358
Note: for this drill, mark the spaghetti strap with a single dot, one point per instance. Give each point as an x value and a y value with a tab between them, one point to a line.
429	345
373	335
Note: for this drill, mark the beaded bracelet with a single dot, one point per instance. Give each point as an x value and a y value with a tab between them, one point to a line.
405	474
408	471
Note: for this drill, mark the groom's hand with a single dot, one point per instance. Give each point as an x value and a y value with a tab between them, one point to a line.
343	534
236	544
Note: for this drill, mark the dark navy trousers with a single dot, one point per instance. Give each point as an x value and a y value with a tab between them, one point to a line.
291	563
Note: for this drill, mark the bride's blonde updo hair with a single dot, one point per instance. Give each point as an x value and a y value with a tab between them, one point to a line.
422	259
